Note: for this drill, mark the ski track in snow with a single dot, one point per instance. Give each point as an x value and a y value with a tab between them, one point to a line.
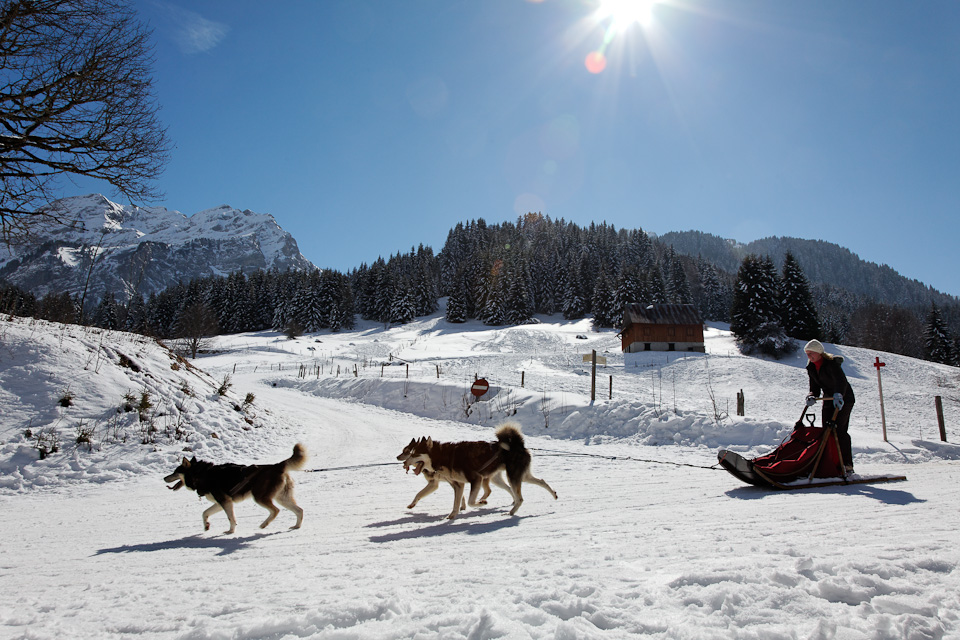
632	548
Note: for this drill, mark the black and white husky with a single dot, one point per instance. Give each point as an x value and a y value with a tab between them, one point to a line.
224	484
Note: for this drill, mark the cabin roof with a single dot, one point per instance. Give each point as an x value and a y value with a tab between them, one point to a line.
676	314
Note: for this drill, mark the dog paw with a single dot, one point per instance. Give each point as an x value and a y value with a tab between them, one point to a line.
296	526
206	526
411	505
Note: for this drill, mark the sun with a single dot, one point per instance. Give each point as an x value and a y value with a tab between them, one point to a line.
625	13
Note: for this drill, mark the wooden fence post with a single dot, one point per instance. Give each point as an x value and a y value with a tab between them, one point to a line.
943	429
740	404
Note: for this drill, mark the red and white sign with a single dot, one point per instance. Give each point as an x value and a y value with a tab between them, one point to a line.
479	387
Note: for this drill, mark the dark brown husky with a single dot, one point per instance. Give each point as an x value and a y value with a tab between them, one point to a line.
224	484
476	463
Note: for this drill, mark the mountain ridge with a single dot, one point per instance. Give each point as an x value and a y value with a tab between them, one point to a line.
821	261
104	247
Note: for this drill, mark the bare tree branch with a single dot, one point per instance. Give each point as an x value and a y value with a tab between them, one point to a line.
76	98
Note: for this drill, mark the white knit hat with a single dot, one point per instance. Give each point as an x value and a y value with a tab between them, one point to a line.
814	346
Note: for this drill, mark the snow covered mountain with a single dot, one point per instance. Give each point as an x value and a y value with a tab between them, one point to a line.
140	250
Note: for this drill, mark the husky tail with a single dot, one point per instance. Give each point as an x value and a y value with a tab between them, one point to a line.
298	459
515	456
510	437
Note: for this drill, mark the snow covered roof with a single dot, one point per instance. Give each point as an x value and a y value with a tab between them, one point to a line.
660	314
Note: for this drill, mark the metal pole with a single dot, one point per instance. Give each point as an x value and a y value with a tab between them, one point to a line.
883	417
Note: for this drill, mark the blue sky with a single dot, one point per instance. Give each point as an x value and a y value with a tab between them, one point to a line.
369	127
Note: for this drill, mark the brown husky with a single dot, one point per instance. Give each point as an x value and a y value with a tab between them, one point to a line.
224	484
433	477
475	463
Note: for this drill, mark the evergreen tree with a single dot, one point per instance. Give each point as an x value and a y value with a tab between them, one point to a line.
337	295
425	289
605	311
56	307
457	302
713	299
492	311
800	318
938	344
404	308
679	287
107	312
236	300
755	316
136	318
574	303
655	288
519	302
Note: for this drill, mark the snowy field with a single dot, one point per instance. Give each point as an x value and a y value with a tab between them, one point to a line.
647	539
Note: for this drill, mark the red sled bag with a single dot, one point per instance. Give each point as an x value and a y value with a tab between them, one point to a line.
810	452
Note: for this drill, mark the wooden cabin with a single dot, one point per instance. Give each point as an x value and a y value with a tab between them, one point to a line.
661	327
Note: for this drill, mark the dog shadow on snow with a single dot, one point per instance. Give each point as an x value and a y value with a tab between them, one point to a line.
226	544
464	523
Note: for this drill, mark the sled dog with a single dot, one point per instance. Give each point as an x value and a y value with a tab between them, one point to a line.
460	463
433	477
225	484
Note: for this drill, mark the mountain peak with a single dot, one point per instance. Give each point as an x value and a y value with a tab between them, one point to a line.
130	250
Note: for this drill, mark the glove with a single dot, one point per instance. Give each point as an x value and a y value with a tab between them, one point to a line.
838	401
811	400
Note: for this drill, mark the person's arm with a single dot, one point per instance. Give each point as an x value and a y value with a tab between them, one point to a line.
814	384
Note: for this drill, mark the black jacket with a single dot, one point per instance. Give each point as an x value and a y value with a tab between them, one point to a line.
830	380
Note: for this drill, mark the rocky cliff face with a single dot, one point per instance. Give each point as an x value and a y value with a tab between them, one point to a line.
106	247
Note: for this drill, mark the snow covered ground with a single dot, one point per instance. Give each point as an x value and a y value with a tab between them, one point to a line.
647	539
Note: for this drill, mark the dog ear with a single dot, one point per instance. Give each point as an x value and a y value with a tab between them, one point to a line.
185	463
429	443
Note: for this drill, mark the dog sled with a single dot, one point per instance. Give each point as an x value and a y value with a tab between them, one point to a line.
810	457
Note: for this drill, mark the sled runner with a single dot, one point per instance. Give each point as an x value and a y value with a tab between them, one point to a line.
810	457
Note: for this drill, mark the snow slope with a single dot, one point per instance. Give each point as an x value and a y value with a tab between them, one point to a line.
647	539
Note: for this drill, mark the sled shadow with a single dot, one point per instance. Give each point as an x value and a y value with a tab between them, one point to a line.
227	545
442	526
882	494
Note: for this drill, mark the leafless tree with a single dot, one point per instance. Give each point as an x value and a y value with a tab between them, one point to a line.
197	323
76	99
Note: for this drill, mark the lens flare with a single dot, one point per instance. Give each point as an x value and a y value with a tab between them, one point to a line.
596	62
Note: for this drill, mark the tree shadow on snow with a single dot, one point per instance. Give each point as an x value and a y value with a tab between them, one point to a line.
227	545
878	492
464	523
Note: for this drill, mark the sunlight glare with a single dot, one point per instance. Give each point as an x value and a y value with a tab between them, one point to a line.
624	13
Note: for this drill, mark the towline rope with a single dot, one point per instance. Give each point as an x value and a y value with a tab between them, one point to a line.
557	454
552	453
356	466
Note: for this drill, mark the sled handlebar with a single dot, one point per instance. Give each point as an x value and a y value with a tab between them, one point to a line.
836	410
